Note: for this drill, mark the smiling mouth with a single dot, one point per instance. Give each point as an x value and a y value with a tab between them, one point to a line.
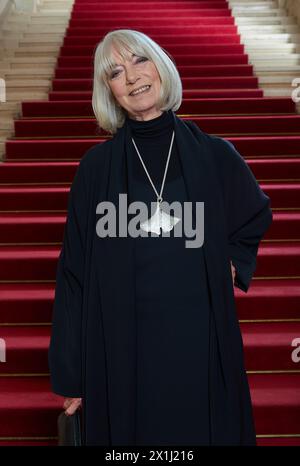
141	92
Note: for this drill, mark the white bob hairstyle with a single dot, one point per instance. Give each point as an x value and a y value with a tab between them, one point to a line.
109	114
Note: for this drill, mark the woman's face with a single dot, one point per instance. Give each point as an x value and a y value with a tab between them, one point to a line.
129	75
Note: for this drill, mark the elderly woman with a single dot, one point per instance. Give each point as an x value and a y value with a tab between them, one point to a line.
145	335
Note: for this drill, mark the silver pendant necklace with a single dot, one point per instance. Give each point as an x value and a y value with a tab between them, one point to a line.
160	220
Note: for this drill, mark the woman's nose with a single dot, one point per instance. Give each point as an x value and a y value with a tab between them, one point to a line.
131	76
131	79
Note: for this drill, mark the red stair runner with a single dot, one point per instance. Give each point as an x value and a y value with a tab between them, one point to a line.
222	96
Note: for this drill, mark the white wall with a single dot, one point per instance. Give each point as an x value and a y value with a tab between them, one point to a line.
292	7
19	5
5	6
26	5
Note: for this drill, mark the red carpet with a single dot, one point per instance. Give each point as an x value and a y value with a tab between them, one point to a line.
222	96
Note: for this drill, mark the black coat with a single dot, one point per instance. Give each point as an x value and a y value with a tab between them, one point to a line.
92	351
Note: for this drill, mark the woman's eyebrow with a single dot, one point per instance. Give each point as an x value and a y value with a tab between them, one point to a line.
120	64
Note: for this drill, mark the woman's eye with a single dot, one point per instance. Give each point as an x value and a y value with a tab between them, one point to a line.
142	59
114	74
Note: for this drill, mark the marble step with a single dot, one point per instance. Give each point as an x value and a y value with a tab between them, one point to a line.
28	50
279	92
19	83
5	133
33	28
12	109
23	67
276	63
272	29
19	44
49	12
6	124
284	68
41	42
55	20
27	73
18	14
21	35
27	94
252	2
2	147
277	77
51	51
251	48
53	13
287	79
15	62
283	57
289	20
38	15
252	39
57	4
257	11
43	34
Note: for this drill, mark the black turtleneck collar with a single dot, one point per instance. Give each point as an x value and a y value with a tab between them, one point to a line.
158	126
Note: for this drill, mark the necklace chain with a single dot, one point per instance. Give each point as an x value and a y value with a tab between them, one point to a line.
159	196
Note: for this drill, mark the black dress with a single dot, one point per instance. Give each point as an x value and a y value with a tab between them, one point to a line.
172	305
183	295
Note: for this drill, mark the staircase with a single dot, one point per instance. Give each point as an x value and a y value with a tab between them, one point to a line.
228	62
272	42
30	43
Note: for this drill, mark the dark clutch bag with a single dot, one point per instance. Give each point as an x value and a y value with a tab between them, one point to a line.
69	429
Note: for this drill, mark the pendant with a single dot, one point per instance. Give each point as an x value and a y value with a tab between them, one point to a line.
159	220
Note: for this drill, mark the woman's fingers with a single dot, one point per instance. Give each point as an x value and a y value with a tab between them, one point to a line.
67	403
71	405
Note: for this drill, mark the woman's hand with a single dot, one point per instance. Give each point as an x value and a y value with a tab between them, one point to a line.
233	271
71	405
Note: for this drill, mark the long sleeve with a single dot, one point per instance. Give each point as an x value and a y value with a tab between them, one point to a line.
247	210
65	352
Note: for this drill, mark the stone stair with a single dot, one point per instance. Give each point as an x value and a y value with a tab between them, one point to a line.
29	46
272	41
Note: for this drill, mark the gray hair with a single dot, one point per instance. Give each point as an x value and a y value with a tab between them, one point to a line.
109	114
